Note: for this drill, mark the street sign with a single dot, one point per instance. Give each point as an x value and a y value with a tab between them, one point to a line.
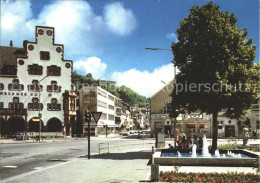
36	119
96	116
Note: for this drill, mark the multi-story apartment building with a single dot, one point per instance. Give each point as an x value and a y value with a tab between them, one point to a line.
97	99
36	79
118	112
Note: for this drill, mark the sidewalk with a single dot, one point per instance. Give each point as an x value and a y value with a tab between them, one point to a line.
116	167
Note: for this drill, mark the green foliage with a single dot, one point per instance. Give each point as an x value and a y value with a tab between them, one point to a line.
232	141
214	55
126	94
227	146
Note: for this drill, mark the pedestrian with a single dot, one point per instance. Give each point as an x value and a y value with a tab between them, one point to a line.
188	142
170	146
254	134
183	141
200	142
195	139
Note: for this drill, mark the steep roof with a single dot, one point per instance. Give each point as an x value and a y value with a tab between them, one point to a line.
8	55
163	88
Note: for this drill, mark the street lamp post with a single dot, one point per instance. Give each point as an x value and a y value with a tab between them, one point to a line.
39	107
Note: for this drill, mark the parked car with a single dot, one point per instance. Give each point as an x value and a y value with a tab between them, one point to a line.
22	136
126	133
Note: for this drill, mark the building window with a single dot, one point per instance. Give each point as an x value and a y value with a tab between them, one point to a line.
258	125
54	87
165	110
15	104
35	86
1	105
54	106
35	106
1	86
72	104
15	86
103	116
102	104
53	70
35	69
111	107
111	117
102	93
111	98
45	55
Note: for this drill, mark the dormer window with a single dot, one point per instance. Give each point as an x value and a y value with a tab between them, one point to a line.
15	86
45	55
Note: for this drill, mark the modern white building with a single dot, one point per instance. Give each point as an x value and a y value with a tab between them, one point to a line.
97	99
36	79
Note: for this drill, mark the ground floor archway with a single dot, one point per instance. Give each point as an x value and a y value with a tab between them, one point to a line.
35	125
54	125
16	124
2	126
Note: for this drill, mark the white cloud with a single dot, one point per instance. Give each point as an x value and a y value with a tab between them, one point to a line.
172	36
119	19
76	25
144	82
14	15
91	65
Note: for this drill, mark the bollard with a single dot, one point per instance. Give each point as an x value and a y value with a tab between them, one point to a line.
152	149
154	172
108	147
99	149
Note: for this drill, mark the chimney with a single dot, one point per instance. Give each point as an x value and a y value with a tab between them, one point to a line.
11	43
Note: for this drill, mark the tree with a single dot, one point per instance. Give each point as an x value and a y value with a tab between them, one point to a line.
215	59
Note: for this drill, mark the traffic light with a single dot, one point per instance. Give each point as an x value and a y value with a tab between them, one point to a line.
87	116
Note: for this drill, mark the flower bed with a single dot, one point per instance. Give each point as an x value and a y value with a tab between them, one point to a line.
231	177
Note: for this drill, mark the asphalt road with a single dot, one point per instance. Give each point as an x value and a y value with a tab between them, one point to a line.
16	159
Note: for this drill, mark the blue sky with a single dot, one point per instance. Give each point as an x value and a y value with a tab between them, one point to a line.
107	38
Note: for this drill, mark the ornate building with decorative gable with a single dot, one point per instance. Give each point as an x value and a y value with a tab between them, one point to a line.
37	81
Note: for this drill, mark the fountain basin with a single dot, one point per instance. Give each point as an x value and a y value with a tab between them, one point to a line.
247	158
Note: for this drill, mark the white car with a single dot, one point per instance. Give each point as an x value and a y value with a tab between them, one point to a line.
126	133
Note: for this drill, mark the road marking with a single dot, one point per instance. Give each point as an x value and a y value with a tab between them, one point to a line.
35	171
10	166
38	168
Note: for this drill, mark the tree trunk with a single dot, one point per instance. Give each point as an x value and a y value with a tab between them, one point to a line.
215	131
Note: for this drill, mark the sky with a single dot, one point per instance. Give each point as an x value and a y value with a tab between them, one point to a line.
108	38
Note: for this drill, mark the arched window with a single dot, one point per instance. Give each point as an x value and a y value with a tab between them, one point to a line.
15	85
35	86
54	106
35	106
15	104
54	87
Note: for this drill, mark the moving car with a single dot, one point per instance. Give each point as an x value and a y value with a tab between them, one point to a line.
126	133
22	136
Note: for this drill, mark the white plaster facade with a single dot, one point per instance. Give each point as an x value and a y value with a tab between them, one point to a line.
44	42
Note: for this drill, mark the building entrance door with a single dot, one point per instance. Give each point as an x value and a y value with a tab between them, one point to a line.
229	131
